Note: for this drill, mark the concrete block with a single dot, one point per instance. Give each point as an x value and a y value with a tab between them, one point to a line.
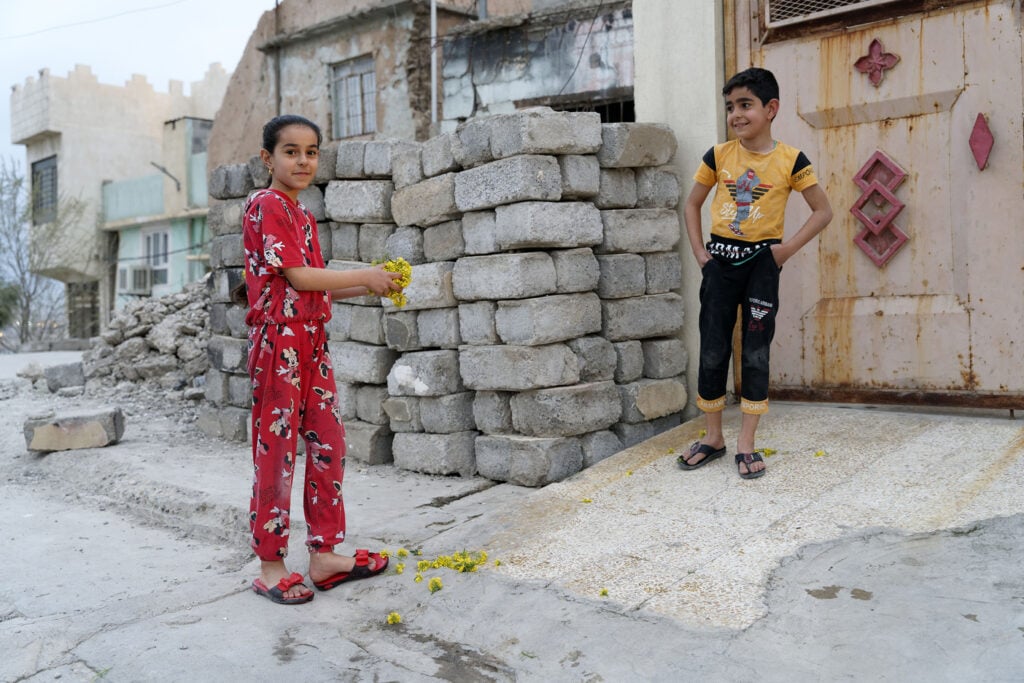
401	332
326	169
581	176
425	373
348	159
64	375
406	168
359	201
476	323
528	461
373	241
366	324
492	411
436	453
239	391
228	422
344	241
566	411
541	130
339	326
227	251
478	232
632	434
432	286
348	399
503	276
368	443
652	315
223	282
622	275
312	199
228	354
225	218
648	399
403	413
636	144
259	172
439	328
629	360
547	319
378	154
639	230
361	363
407	243
444	242
547	225
596	358
664	357
437	157
516	179
90	428
576	270
427	202
517	368
471	143
230	181
617	190
216	386
324	237
657	188
448	414
369	398
598	446
664	272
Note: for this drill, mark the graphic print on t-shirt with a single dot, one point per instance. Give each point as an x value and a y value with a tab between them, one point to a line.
745	191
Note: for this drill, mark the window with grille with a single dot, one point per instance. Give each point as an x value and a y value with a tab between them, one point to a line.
156	244
44	190
788	12
354	97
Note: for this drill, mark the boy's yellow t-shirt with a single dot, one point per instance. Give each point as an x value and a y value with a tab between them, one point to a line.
751	191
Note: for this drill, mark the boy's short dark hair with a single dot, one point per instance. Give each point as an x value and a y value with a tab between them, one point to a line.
761	82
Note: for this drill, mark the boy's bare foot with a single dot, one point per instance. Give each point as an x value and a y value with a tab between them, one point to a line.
271	574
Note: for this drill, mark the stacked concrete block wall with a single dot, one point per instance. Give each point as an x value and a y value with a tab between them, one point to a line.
541	330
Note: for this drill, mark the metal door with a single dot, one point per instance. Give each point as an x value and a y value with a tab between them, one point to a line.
915	292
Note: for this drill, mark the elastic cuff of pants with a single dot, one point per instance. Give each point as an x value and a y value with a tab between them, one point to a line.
319	548
715	406
753	407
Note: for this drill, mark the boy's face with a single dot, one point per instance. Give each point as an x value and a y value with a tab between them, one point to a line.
748	117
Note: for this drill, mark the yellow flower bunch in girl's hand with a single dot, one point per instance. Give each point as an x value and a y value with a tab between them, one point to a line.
401	266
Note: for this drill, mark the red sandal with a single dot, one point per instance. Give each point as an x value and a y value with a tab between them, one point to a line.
361	570
276	594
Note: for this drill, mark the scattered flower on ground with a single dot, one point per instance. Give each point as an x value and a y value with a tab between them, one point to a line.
399	568
419	577
435	584
402	552
394	618
703	432
768	452
604	592
587	500
820	453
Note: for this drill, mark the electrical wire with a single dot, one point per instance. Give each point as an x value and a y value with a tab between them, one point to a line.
92	21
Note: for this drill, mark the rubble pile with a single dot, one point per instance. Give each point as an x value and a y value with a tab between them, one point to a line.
159	341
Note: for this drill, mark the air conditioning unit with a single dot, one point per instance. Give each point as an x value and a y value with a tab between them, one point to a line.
138	280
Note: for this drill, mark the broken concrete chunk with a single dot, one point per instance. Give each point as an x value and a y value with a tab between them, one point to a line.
64	375
73	430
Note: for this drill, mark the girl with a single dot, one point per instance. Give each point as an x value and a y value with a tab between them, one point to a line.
289	294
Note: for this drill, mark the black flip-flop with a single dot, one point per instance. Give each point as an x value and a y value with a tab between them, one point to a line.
748	459
276	593
710	453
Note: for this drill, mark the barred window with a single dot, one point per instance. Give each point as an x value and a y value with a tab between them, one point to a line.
44	190
354	97
786	12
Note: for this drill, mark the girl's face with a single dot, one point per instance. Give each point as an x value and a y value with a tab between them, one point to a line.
294	160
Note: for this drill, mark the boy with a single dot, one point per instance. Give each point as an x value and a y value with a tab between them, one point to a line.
753	176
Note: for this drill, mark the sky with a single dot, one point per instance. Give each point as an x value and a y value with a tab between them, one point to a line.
163	40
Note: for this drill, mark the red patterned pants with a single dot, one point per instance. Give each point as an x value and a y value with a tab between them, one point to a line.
294	394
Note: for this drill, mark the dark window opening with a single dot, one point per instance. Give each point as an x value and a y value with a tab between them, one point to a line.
44	191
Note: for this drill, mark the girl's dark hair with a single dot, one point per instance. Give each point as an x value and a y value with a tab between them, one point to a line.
274	126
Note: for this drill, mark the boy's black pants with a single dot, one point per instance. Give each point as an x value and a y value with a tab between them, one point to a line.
754	286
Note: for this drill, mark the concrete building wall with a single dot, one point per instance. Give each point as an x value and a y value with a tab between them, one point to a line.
679	65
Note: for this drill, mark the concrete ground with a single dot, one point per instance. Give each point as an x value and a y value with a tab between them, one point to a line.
882	545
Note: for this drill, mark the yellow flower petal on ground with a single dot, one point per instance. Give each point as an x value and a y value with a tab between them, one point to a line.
604	592
435	584
402	552
587	500
820	454
703	432
419	577
394	618
399	568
